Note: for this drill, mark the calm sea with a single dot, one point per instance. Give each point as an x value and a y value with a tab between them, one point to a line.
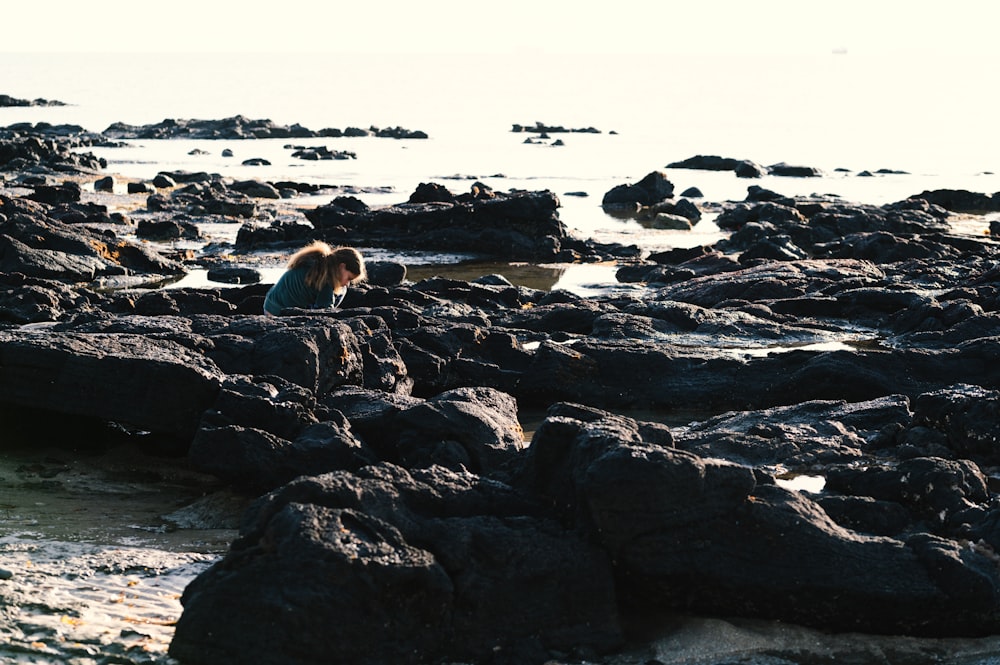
930	119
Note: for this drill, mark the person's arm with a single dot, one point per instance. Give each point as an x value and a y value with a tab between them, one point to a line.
339	297
324	298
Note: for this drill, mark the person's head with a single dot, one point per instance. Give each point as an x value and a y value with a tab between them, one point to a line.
336	267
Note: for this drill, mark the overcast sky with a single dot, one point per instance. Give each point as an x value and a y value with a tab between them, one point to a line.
502	26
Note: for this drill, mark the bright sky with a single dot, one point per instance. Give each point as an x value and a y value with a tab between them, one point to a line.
502	26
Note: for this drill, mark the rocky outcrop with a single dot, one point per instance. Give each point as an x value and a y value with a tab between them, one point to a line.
241	127
697	532
744	168
607	513
542	128
652	189
7	100
790	230
35	244
149	384
962	200
515	225
416	566
400	515
23	152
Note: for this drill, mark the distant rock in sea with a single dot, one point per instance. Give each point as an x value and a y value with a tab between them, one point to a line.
241	127
541	128
7	100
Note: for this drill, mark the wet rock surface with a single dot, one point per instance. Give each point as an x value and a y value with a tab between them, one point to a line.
382	446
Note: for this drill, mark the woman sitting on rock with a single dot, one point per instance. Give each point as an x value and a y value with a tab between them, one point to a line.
316	278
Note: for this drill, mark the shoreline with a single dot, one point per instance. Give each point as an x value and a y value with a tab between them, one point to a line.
414	387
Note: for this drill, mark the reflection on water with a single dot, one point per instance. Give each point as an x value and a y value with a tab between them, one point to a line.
802	482
587	279
96	547
850	343
541	277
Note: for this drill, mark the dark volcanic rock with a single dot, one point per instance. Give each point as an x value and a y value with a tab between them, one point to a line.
968	418
316	153
652	189
151	384
416	567
53	194
792	171
7	100
256	460
744	168
407	520
465	428
617	374
21	153
701	534
542	128
961	200
516	225
237	127
35	244
25	299
838	230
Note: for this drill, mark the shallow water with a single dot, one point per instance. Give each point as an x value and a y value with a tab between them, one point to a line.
96	549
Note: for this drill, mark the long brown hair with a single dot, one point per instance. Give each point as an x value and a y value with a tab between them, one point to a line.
322	261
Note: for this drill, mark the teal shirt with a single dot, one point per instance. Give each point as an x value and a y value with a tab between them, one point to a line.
291	290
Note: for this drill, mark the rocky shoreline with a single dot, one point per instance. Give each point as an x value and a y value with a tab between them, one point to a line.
399	514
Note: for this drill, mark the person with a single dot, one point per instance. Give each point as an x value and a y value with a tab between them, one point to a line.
316	277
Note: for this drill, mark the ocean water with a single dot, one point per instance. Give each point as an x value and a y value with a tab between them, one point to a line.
927	119
929	116
932	119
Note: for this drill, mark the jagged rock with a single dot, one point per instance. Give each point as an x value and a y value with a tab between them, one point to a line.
157	385
962	200
659	512
516	225
236	127
40	246
261	434
652	189
418	566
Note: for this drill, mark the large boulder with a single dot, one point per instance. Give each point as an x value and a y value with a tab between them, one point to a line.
652	189
743	168
700	534
151	384
34	243
518	225
390	566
